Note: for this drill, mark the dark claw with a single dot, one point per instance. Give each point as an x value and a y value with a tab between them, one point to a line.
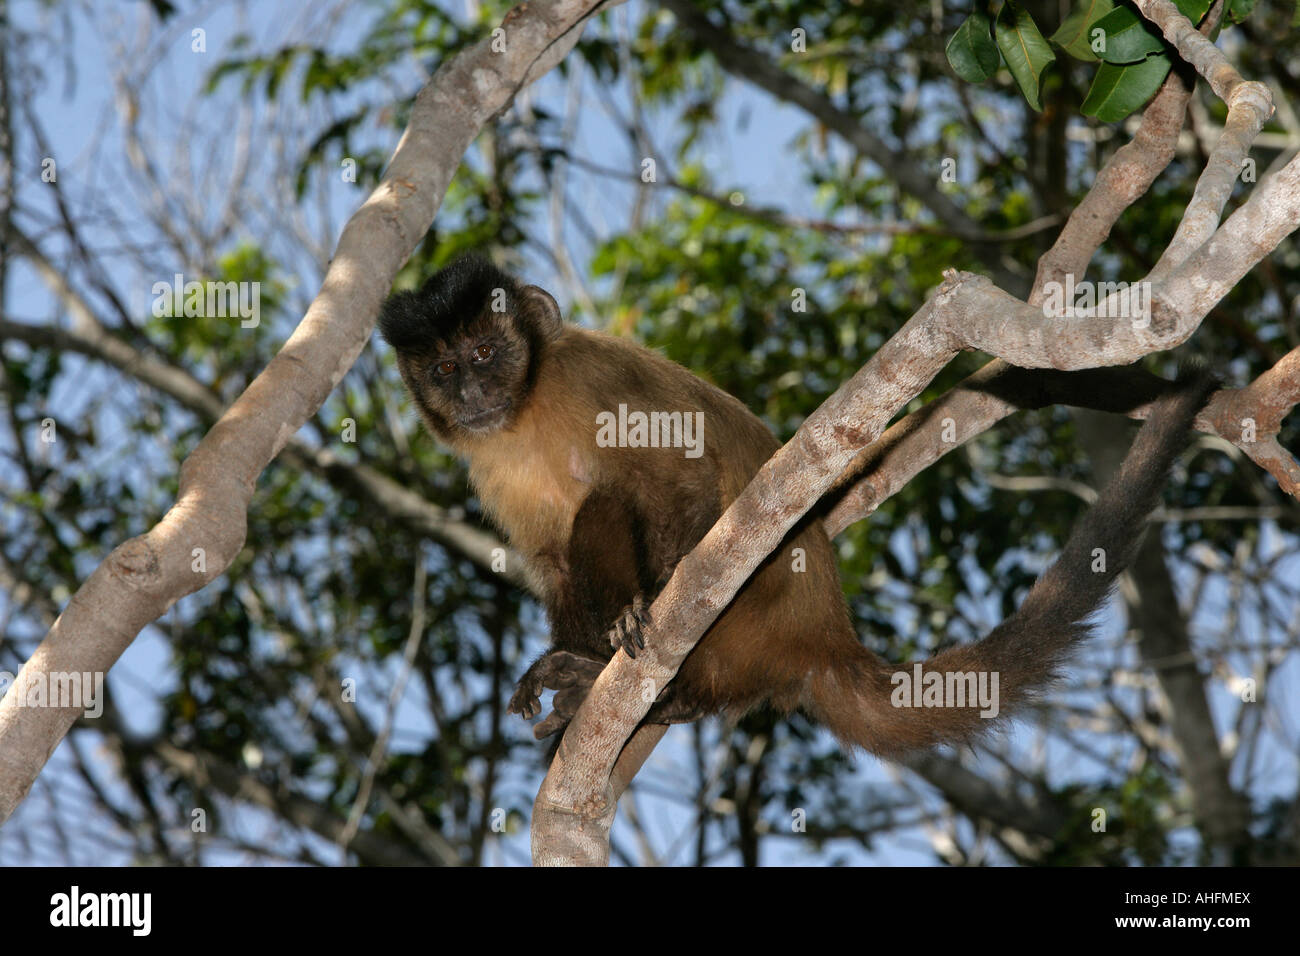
626	632
525	702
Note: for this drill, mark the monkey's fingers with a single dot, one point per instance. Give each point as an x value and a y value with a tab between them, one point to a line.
525	702
557	670
626	632
553	724
571	670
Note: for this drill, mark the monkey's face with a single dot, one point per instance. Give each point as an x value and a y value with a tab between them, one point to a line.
468	344
474	381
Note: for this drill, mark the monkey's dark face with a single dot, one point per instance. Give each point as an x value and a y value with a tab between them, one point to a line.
468	343
475	381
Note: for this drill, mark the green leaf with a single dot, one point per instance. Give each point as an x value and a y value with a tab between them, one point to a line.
1026	51
1075	33
1118	90
1130	37
972	54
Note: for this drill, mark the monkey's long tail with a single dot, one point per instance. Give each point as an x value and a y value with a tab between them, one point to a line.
866	704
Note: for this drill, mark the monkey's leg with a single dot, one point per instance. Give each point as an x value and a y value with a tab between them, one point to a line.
557	670
611	567
605	571
663	546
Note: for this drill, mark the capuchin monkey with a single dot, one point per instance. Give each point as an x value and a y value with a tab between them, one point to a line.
601	523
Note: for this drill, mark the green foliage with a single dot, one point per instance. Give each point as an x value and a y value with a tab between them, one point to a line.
1119	824
1023	48
1074	34
1136	58
971	51
1119	90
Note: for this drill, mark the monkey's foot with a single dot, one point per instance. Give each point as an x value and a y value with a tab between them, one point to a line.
626	632
557	670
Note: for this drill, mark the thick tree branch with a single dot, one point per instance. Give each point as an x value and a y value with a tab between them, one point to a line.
143	577
1248	417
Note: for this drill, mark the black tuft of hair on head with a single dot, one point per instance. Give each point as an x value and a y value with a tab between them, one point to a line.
451	296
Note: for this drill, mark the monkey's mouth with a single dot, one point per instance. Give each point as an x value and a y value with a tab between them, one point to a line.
488	418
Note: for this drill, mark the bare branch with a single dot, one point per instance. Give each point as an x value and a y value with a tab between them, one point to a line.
145	576
1248	417
1196	48
1121	182
1249	105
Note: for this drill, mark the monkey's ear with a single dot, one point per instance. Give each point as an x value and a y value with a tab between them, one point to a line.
543	309
401	321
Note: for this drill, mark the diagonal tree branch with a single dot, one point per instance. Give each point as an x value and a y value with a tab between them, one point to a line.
1248	417
143	577
1249	105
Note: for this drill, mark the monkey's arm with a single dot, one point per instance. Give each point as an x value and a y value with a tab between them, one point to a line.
672	529
614	567
601	573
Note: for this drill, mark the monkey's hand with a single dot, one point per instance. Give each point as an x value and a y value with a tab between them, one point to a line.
626	632
560	671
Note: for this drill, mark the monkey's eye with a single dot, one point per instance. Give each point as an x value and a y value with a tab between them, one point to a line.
446	368
484	352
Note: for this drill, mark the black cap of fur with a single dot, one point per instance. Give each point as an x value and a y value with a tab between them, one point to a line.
410	321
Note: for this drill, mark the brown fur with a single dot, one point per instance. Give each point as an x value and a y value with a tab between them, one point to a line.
602	528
